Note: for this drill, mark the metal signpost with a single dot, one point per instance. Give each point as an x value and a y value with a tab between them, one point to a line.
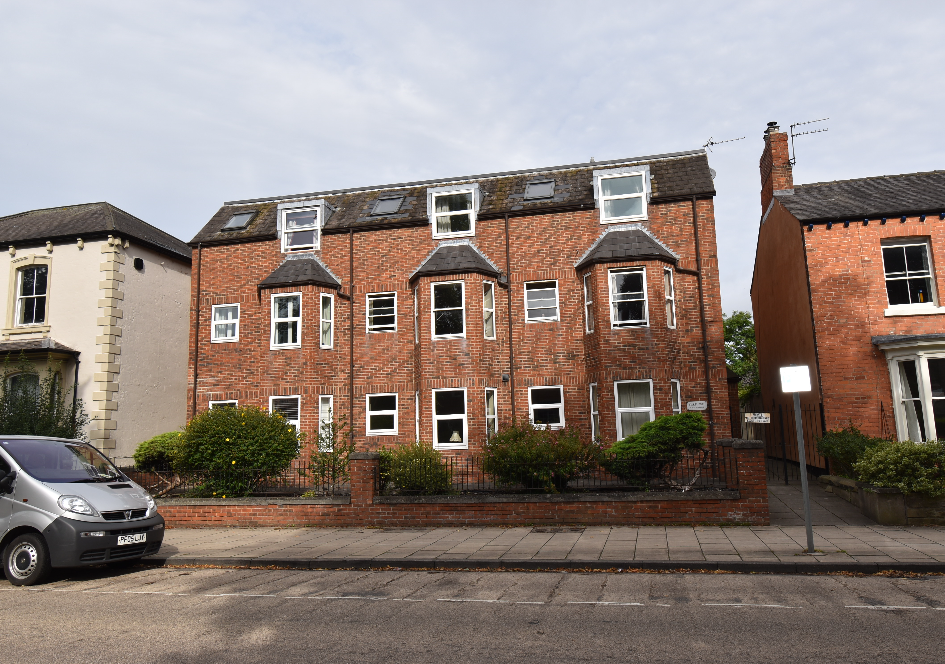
797	380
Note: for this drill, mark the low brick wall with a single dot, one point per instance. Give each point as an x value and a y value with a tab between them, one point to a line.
748	504
888	507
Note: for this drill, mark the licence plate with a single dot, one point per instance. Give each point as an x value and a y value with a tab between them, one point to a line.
132	539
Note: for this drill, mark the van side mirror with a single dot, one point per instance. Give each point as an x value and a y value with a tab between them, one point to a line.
6	484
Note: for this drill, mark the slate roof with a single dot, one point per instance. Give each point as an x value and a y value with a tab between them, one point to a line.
34	346
883	196
87	221
674	176
297	271
455	257
906	338
625	243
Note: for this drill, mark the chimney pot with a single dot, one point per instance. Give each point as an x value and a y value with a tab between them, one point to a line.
772	128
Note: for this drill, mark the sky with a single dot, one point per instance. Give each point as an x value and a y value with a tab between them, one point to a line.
168	109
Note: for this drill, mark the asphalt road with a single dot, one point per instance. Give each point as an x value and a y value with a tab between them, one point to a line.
229	615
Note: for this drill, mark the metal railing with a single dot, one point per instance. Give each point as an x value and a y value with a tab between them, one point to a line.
483	475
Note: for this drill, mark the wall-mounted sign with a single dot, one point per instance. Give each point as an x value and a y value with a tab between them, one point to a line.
697	405
758	418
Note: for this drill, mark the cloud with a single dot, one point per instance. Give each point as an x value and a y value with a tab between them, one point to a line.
168	109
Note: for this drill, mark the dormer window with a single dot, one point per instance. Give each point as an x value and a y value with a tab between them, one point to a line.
453	209
388	205
545	189
239	221
622	193
300	229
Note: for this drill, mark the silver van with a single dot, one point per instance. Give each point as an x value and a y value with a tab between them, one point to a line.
63	504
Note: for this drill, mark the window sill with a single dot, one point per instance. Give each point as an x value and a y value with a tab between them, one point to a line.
381	433
381	331
224	341
326	347
623	220
542	320
26	329
914	310
447	236
289	347
460	446
631	326
449	336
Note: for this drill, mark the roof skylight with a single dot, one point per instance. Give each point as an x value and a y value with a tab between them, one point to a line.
239	221
388	205
544	189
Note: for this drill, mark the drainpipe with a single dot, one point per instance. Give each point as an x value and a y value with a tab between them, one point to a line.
196	330
75	395
508	292
705	334
351	335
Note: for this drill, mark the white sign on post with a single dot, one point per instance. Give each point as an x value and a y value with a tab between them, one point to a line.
795	379
697	405
758	418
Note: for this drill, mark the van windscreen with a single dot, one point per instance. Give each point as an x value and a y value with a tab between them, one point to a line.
58	461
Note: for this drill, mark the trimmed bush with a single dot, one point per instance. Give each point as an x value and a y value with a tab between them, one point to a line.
844	447
416	469
239	447
157	453
539	458
907	466
657	448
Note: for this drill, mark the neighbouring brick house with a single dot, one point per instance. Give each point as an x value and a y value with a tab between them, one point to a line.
848	278
584	294
102	296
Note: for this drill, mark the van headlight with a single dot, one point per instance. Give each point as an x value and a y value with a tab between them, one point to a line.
152	507
78	505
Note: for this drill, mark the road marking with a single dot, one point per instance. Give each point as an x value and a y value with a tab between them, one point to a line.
886	608
488	601
374	599
529	602
763	606
610	603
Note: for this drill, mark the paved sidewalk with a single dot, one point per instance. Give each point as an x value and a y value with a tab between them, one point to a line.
845	540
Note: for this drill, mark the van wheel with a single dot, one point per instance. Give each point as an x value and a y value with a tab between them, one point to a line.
26	560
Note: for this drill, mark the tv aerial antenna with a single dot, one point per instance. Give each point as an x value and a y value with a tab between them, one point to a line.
803	133
708	145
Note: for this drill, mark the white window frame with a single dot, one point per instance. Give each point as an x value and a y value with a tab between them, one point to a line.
493	416
669	296
367	312
298	399
677	398
651	410
368	412
451	190
486	310
599	177
225	402
617	325
531	406
273	320
20	297
594	396
317	227
588	304
322	320
330	400
436	418
543	319
433	310
913	307
920	356
213	324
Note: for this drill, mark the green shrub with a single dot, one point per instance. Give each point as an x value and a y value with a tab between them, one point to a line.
36	404
416	468
907	466
538	458
239	447
844	447
329	459
157	453
657	448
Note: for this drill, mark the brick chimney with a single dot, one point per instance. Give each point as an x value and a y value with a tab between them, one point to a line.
775	165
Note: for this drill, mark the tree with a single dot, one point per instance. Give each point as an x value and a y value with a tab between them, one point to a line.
35	405
741	354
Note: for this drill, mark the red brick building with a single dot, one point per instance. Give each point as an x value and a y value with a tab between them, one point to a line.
847	280
584	295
